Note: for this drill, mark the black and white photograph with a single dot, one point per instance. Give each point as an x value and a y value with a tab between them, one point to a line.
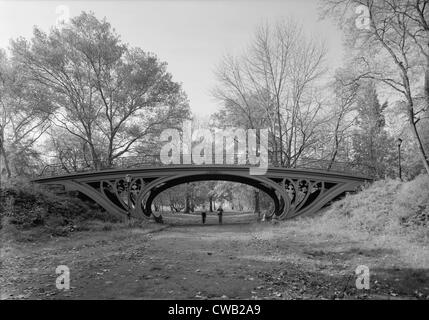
215	155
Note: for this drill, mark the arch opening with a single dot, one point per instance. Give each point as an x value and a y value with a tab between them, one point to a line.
208	185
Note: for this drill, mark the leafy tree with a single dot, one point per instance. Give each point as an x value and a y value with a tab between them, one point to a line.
107	94
392	49
25	110
373	148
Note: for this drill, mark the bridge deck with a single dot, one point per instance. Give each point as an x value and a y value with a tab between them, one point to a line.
122	172
151	161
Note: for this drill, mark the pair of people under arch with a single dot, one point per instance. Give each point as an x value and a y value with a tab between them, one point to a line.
204	214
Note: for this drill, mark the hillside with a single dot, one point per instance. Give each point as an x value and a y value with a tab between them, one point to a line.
29	212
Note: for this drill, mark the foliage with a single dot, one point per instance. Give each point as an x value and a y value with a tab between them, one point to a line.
412	202
372	146
392	50
109	96
382	208
237	196
25	110
25	208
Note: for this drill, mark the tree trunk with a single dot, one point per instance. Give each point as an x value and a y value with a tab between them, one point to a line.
423	154
211	203
280	133
187	200
411	118
336	141
95	158
6	161
334	155
426	88
256	197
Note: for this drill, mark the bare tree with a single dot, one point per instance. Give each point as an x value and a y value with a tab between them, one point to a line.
71	152
342	119
275	84
393	49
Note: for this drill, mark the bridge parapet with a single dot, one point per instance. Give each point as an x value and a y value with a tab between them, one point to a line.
144	161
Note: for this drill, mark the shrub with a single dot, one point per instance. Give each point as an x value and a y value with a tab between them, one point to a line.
382	208
26	207
412	202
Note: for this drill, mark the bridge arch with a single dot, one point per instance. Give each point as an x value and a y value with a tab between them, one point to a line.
271	189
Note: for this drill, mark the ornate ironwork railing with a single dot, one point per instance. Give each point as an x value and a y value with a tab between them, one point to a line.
154	160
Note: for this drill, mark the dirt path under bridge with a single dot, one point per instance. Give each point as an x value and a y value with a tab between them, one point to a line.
239	261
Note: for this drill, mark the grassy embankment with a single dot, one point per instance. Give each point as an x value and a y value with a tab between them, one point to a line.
31	212
387	214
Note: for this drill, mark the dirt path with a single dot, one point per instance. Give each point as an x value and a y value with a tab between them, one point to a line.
239	261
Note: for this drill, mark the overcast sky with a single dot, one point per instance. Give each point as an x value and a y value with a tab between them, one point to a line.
191	36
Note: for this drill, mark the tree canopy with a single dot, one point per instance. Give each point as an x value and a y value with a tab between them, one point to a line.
108	95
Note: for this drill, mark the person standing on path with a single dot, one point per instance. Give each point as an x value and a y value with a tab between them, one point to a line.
204	214
220	213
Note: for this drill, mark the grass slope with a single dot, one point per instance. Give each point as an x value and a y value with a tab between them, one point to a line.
386	214
29	212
